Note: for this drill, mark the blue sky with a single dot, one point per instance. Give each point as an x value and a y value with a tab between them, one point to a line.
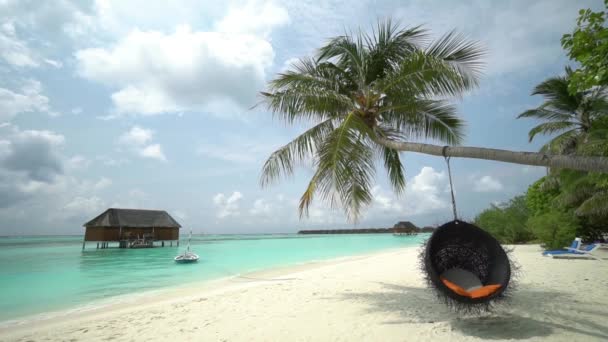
141	104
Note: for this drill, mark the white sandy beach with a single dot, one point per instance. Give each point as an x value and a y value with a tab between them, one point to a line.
378	297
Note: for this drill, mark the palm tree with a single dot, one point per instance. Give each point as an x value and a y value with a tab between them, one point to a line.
570	115
369	96
580	119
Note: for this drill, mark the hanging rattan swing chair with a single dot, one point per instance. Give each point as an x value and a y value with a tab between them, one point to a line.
465	265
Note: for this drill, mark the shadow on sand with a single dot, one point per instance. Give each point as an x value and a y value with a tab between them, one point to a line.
530	313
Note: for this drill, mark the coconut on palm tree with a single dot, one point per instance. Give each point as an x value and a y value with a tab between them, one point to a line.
570	115
373	95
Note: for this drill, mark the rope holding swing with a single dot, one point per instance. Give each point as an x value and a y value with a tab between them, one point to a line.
447	161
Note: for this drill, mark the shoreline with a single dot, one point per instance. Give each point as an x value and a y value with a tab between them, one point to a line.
176	291
379	296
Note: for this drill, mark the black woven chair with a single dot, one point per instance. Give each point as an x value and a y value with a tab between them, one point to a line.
468	257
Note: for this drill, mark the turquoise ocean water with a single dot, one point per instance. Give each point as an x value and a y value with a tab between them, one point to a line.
43	274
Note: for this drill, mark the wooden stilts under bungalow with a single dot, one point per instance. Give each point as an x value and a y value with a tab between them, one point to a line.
131	228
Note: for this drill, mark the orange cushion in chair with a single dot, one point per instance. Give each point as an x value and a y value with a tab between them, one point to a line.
484	291
455	288
477	293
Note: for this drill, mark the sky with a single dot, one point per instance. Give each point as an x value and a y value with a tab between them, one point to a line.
148	104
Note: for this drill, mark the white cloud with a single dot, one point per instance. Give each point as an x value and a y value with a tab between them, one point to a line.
237	150
186	70
223	153
26	100
78	162
227	205
423	194
83	207
139	139
519	35
14	51
261	208
153	151
487	184
425	191
136	136
53	63
109	161
254	17
102	183
385	202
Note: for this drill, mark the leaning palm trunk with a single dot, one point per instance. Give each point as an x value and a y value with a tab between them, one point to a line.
595	164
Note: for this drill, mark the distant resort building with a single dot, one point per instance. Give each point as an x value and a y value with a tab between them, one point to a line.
132	228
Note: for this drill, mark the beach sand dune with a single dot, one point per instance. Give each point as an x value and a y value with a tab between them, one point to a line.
378	297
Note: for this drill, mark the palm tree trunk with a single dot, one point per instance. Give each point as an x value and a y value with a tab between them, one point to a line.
596	164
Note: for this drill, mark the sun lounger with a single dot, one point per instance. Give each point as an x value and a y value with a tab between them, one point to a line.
586	252
575	245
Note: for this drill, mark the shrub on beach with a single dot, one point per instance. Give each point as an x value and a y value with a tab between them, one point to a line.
555	229
507	222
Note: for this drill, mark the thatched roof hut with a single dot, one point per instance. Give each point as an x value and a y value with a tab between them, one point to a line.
130	224
405	227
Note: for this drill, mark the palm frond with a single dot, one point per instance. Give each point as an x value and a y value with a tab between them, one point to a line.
428	119
345	168
426	75
555	90
387	45
575	187
545	114
565	142
596	205
308	196
292	105
311	75
349	54
389	37
551	127
596	143
465	55
282	162
395	169
575	197
550	183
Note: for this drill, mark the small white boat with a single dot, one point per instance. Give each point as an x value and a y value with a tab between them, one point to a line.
187	257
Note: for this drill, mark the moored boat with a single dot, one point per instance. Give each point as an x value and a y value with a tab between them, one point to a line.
188	256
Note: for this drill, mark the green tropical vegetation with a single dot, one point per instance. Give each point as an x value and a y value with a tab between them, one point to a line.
372	96
588	45
554	228
565	203
571	115
507	222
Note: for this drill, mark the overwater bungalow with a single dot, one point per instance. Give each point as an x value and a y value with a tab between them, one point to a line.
405	228
132	228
